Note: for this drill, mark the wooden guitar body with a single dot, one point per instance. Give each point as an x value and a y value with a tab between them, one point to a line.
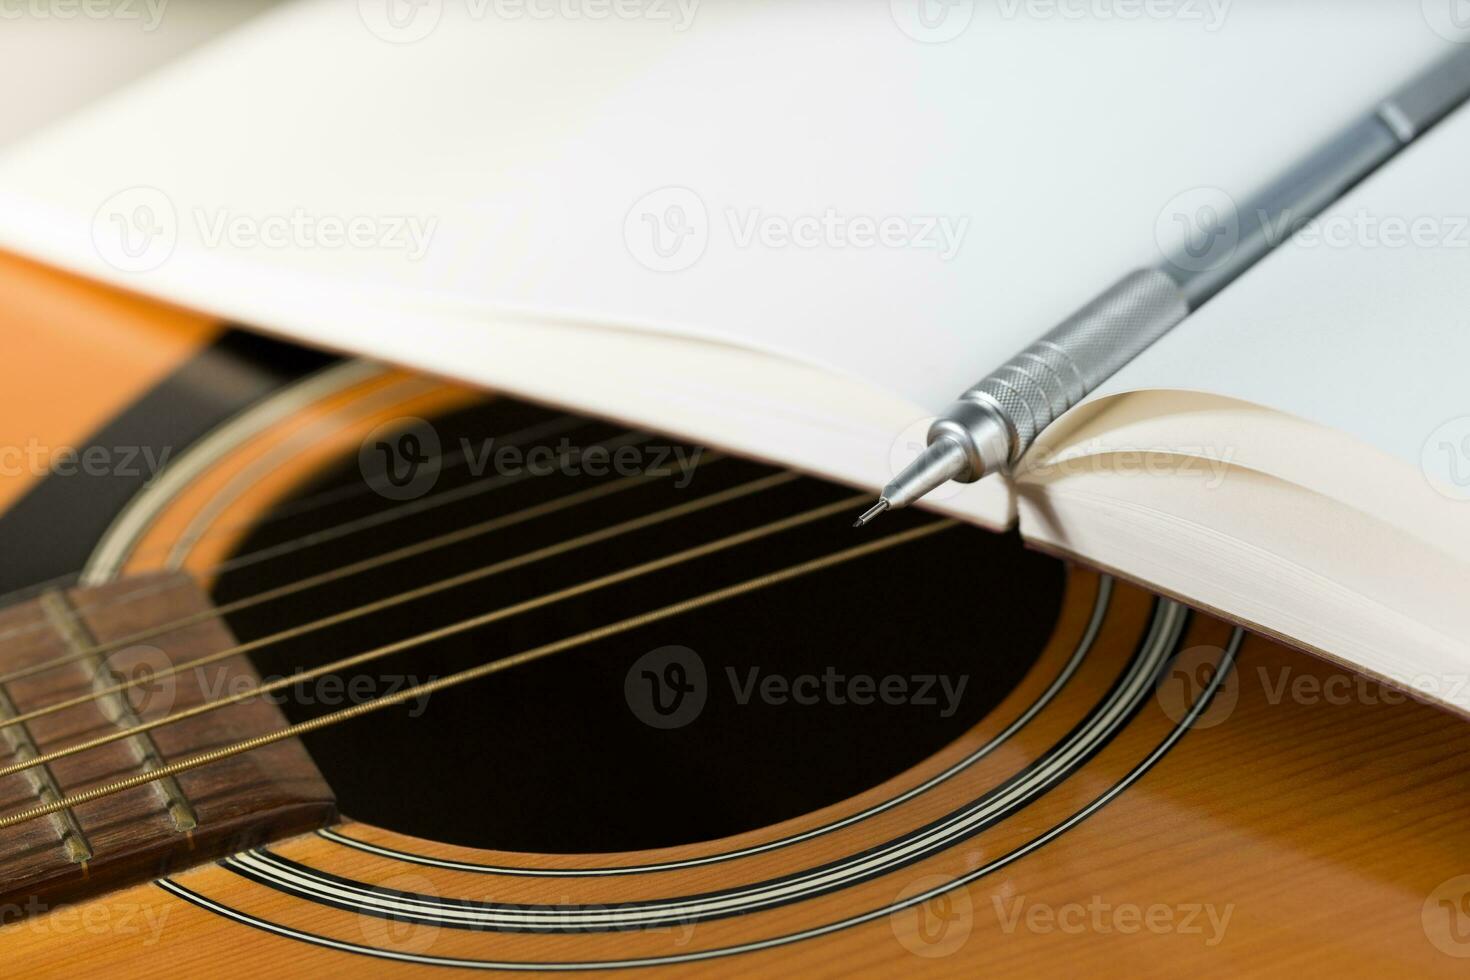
1137	789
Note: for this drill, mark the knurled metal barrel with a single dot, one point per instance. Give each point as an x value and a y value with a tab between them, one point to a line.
1056	372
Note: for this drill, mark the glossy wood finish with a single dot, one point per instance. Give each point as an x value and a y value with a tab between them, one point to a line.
76	354
204	520
1316	832
1299	821
170	824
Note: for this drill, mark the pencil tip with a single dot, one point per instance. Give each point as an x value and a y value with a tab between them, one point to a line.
871	512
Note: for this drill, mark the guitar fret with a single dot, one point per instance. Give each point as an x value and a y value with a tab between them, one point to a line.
77	639
44	785
131	837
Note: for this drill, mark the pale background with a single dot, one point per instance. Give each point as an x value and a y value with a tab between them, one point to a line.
54	59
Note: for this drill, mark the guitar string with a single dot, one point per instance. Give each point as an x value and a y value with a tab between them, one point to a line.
475	673
411	595
192	535
341	572
390	515
331	533
367	564
345	491
442	632
357	488
447	462
334	532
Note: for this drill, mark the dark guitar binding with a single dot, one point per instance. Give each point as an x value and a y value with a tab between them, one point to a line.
164	826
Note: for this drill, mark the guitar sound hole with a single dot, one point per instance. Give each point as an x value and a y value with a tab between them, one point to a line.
730	718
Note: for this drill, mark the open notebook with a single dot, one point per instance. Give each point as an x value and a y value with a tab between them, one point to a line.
797	230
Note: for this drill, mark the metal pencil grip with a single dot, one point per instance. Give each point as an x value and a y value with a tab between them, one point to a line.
1051	375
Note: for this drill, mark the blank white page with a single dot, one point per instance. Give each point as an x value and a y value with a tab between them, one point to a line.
1361	322
1054	145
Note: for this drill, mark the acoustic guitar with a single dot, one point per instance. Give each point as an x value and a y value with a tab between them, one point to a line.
313	667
